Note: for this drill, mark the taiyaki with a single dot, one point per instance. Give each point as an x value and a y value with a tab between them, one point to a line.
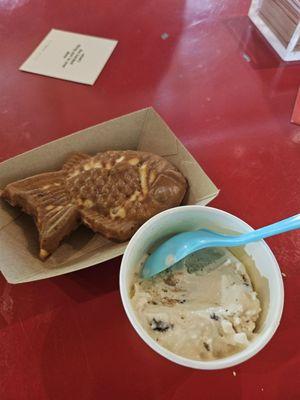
113	193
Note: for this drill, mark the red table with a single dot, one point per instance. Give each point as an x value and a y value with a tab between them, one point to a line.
229	99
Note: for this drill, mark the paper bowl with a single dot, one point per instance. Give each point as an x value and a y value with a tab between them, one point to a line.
196	217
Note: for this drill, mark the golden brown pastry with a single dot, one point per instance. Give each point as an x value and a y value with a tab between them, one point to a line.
113	193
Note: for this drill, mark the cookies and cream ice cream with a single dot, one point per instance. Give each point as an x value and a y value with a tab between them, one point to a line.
204	309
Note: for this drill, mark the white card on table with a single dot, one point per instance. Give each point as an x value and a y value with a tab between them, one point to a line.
70	56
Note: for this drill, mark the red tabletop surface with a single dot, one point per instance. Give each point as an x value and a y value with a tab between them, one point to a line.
229	99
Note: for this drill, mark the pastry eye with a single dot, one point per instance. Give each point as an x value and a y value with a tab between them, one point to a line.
162	194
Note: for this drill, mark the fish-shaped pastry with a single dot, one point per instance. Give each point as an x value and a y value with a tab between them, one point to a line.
113	193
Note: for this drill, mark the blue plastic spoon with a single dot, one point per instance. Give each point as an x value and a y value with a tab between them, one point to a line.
179	246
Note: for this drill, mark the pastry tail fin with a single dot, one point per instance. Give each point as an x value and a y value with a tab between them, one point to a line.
45	197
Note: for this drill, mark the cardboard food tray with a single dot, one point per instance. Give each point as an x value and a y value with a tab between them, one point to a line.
141	130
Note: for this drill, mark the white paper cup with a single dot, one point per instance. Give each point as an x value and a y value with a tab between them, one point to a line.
186	218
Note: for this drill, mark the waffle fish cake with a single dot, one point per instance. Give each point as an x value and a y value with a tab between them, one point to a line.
113	193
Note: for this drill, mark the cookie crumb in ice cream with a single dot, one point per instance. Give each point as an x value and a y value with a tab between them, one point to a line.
206	345
214	316
160	325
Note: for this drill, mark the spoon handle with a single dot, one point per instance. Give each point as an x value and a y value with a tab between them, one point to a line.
285	225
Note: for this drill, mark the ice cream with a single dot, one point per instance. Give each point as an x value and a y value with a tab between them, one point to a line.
204	309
